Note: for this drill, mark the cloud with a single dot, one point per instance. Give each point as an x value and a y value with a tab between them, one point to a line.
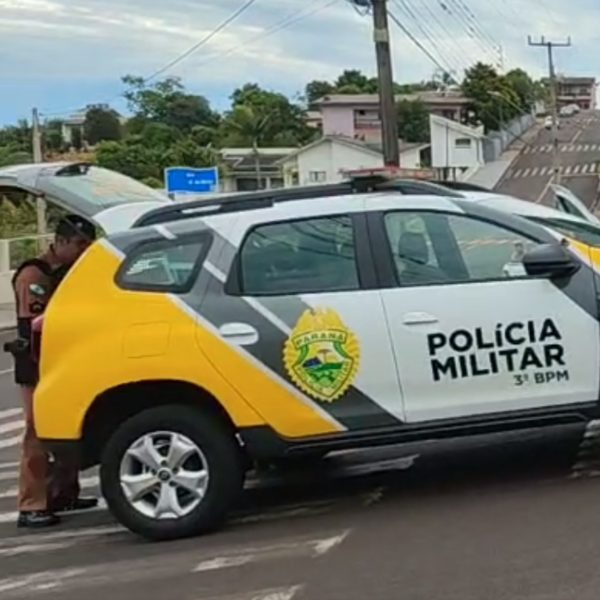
61	53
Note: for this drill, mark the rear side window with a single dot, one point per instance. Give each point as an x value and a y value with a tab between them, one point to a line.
165	265
307	256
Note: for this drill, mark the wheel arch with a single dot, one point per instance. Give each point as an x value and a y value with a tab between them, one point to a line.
115	405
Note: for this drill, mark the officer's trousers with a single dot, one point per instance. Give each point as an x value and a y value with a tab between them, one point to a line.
42	485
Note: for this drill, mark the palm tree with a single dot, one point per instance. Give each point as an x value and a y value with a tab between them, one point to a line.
245	126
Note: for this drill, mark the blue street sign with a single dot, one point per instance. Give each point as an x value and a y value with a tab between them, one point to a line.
184	180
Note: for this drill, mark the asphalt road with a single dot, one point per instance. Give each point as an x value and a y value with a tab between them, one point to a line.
486	518
579	146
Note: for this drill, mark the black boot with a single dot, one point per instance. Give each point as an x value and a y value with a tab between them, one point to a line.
37	519
78	504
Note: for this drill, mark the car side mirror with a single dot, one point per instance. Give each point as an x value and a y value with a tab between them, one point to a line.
550	260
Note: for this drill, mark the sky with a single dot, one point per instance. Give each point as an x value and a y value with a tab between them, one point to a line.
60	55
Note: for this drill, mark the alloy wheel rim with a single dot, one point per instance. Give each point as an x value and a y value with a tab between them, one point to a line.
164	475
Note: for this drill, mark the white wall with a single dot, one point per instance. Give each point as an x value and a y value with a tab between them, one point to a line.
410	159
446	153
332	159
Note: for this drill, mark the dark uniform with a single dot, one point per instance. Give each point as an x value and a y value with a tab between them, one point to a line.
44	487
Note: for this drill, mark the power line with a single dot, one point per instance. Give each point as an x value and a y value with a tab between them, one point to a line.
426	5
288	21
275	28
477	23
202	42
419	44
468	27
426	32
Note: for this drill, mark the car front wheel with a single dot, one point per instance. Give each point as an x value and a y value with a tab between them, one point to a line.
171	472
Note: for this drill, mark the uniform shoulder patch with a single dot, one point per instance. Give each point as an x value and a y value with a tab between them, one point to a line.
321	355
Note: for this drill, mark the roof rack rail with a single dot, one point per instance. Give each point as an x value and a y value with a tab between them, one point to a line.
266	198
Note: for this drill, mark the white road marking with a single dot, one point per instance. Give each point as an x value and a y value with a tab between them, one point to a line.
518	173
12	426
8	465
527	172
285	593
576	169
293	549
32	548
10	442
58	536
85	483
7	475
545	190
36	582
535	171
165	232
584	168
11	412
9	517
6	372
586	148
568	170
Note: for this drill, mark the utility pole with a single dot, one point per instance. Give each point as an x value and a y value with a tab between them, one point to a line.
38	158
387	99
553	97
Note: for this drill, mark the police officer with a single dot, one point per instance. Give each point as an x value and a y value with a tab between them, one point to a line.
44	488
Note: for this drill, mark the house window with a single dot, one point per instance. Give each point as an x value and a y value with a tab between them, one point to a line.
463	142
317	176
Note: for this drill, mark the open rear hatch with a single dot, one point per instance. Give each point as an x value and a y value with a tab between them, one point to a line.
566	201
112	201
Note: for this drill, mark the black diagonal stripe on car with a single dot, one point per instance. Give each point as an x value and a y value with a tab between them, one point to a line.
355	410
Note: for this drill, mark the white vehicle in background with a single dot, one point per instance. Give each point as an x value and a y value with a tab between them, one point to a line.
548	122
567	111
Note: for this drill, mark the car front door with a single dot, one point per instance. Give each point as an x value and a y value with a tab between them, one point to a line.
472	333
301	301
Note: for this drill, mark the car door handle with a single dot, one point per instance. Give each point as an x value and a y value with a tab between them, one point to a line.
418	318
241	334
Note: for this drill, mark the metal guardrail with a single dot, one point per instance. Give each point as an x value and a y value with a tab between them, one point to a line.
13	251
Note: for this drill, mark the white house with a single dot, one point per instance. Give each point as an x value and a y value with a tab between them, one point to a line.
326	160
454	145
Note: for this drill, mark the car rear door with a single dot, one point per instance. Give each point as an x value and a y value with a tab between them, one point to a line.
111	200
472	333
294	293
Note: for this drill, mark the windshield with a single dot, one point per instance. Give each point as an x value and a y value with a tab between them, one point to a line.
586	233
101	188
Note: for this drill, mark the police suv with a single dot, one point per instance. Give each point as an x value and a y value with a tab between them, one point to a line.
200	336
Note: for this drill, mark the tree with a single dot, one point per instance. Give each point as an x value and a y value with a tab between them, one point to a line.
285	124
523	86
167	102
493	97
315	90
101	124
132	158
356	80
249	126
413	121
53	139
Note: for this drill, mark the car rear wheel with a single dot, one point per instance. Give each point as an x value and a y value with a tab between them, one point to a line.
171	472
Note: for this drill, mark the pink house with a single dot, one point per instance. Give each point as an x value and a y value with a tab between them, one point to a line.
357	115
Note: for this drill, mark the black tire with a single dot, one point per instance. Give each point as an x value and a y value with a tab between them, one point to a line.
223	458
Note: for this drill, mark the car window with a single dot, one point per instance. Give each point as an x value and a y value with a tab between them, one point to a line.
102	188
313	255
434	248
488	250
162	265
586	233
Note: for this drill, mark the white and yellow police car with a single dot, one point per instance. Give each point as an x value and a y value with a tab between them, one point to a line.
204	335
